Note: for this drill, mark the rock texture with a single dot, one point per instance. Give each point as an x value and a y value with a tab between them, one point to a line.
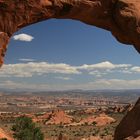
121	17
129	127
4	134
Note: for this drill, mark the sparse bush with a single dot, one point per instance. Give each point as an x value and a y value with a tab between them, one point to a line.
25	129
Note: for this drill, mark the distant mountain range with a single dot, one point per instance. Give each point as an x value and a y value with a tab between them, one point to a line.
127	95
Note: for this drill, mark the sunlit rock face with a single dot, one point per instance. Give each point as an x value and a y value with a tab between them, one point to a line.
120	17
129	127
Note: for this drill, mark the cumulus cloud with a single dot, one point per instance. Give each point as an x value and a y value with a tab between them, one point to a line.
23	37
36	68
61	71
30	68
104	65
104	68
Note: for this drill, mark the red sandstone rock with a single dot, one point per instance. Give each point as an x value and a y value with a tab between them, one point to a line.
129	127
121	17
3	134
100	120
59	117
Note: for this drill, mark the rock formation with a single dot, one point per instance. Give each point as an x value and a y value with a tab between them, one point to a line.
121	17
129	128
100	120
59	117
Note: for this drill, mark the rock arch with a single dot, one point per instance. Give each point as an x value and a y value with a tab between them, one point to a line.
120	17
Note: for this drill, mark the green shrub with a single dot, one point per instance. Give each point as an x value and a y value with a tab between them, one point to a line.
25	129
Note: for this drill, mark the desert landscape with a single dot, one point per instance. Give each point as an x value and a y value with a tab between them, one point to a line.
62	116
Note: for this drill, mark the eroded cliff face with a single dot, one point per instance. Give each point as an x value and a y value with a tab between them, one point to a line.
121	17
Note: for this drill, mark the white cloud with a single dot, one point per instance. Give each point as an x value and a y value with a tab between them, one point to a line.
30	68
135	69
104	68
97	73
23	37
36	68
126	71
116	84
26	60
103	65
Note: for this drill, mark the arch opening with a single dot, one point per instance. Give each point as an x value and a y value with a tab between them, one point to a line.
74	52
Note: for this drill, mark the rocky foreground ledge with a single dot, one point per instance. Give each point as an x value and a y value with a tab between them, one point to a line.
129	127
120	17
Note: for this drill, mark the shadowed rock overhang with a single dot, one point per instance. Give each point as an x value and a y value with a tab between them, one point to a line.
120	17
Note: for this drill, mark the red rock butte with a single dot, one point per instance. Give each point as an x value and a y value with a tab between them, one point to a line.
120	17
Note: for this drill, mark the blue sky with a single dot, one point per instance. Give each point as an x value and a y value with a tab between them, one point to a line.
66	54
